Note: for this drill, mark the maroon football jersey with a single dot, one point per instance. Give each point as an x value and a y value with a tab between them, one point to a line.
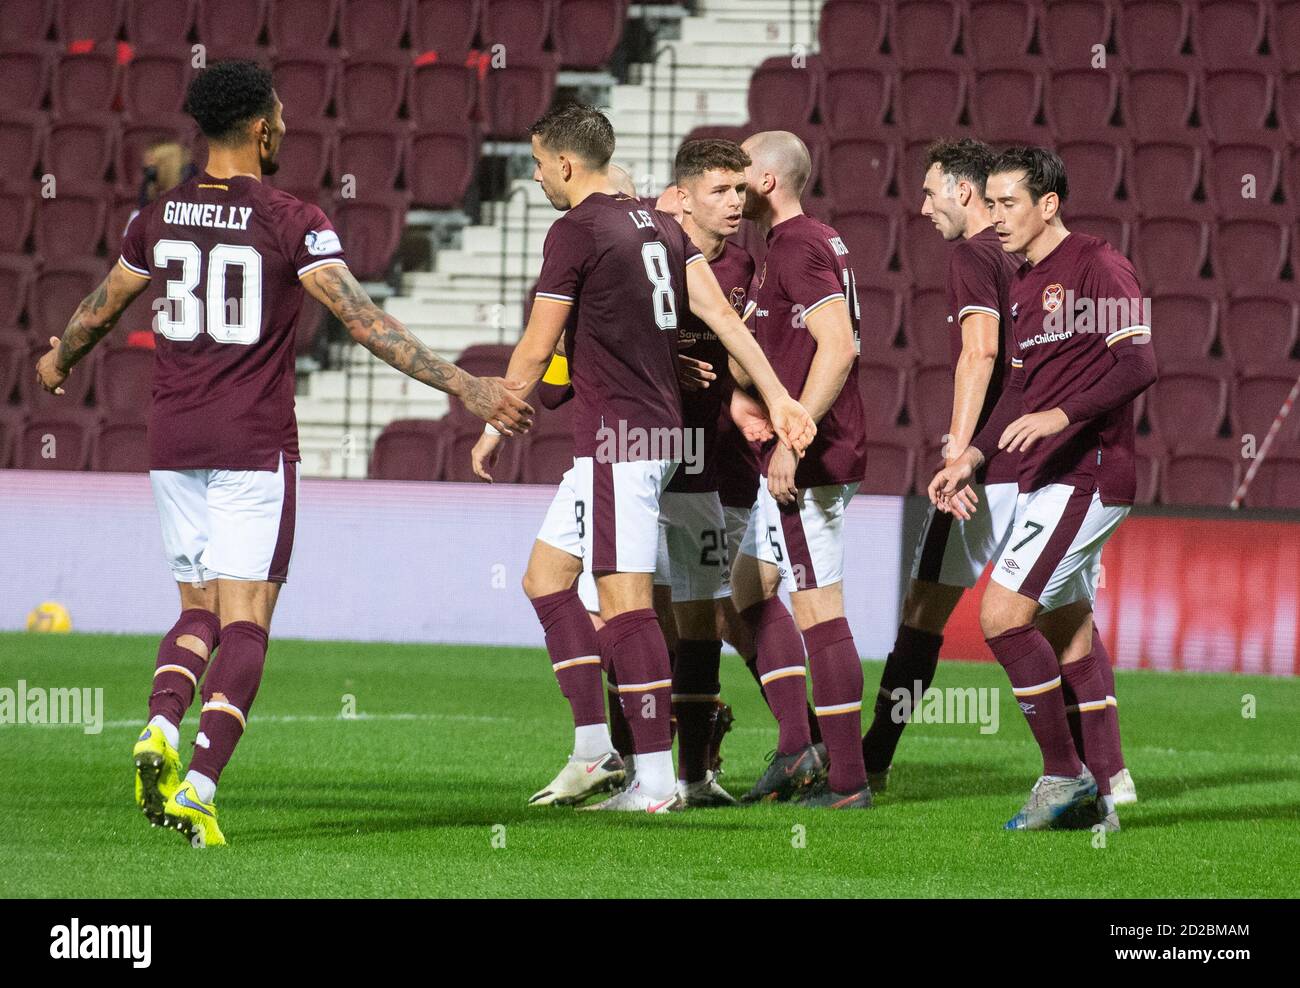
1070	312
739	462
227	253
623	268
979	280
807	267
734	269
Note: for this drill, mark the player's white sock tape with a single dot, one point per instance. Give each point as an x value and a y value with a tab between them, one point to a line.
170	731
591	741
654	773
205	787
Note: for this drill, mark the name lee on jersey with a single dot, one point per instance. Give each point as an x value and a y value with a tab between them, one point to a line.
207	214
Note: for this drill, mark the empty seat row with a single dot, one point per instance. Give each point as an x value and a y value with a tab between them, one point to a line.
920	99
38	443
1211	32
583	32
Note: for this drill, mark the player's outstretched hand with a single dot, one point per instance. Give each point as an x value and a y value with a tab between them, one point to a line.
780	475
750	417
694	375
792	424
48	374
949	490
1021	434
496	402
483	456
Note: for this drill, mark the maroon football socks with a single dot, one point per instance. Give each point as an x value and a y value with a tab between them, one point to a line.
1035	677
914	660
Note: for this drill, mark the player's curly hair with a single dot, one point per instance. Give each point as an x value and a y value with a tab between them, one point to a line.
963	158
228	94
577	129
1044	170
697	157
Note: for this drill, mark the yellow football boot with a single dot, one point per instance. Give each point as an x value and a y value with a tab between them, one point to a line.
194	818
157	773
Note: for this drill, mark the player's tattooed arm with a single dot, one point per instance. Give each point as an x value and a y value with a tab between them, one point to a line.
492	399
94	317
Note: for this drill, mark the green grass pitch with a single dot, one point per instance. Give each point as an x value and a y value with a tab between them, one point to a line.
406	799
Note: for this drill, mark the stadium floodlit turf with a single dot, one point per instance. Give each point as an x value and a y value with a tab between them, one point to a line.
416	795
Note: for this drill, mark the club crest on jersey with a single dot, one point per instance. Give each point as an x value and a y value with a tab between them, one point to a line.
737	298
322	242
1053	296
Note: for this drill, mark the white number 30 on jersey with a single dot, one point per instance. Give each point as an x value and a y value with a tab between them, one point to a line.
235	320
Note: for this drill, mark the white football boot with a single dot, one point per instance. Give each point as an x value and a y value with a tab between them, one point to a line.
580	778
706	793
1123	788
634	799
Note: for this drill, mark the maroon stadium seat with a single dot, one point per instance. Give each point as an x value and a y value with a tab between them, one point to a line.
444	25
1163	174
928	326
1257	399
1252	248
1288	104
1080	102
77	388
443	90
586	32
373	25
1189	401
1095	169
85	82
883	387
925	254
58	290
782	96
120	210
372	87
23	137
1159	100
890	468
25	75
14	346
1151	30
858	171
547	458
1235	103
138	137
121	447
999	30
923	29
1202	474
97	20
17	202
931	403
1276	483
1260	325
881	304
16	276
851	32
1171	247
301	24
155	81
305	156
54	443
1113	225
373	153
1228	33
71	223
930	100
124	384
1070	28
442	164
520	25
305	80
409	449
458	466
1006	98
11	425
371	227
872	239
1148	457
855	99
1285	35
516	95
230	23
485	360
913	165
26	21
1185	317
159	22
1228	164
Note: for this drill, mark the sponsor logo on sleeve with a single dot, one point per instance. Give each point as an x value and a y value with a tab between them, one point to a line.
320	242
